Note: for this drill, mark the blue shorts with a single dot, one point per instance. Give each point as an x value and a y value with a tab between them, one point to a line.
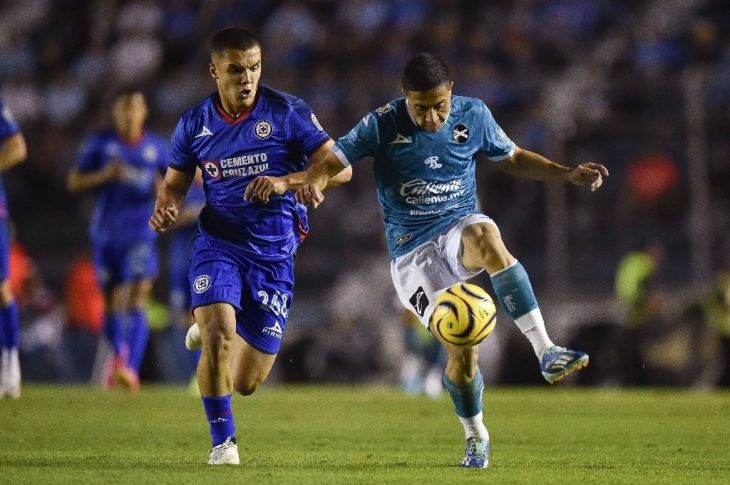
123	263
260	290
4	250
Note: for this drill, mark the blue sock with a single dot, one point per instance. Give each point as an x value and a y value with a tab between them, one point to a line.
514	291
10	326
138	333
467	398
220	417
113	331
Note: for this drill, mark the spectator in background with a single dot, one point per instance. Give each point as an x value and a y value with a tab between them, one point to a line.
424	358
123	168
717	315
12	152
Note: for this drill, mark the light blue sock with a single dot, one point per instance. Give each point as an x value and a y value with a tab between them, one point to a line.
467	398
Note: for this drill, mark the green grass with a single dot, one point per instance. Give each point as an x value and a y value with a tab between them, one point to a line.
376	435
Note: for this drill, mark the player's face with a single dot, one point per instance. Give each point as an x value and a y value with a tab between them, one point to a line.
129	112
430	108
237	75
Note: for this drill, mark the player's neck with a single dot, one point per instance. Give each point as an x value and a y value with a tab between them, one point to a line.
131	137
236	112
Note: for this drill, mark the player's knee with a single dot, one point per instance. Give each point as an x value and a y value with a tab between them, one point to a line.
217	340
246	387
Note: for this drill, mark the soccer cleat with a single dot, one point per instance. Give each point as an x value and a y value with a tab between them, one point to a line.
558	362
225	453
476	454
127	378
192	338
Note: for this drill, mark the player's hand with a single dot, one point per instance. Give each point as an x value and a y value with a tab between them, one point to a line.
163	217
310	195
263	187
588	174
114	170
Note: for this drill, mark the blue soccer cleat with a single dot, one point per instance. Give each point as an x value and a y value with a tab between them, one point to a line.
476	454
558	362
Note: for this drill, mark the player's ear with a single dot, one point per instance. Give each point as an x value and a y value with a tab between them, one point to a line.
211	69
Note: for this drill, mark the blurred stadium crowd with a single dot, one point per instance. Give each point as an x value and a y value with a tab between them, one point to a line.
641	86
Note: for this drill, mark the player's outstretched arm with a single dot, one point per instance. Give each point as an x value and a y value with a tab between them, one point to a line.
79	181
12	151
531	165
323	173
169	198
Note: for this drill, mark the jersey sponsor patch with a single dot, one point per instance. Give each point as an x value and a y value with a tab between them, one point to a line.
212	169
263	129
384	109
460	133
432	162
201	283
419	300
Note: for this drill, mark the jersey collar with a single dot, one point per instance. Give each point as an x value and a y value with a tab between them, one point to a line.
240	118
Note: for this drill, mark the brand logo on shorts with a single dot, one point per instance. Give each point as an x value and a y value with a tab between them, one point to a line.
419	301
201	283
403	239
273	331
263	129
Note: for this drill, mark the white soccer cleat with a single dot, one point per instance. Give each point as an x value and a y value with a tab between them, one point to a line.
192	338
225	453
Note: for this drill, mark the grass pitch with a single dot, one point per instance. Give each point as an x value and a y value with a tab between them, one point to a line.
315	434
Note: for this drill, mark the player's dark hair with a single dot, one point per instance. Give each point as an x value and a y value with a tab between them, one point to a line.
233	38
425	72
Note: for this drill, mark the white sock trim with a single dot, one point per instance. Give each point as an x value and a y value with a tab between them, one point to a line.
474	427
532	326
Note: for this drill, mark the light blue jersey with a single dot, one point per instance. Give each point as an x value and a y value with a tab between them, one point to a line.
425	181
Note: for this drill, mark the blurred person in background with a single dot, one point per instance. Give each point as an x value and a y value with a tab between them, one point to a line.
122	167
242	267
422	364
424	146
717	315
13	151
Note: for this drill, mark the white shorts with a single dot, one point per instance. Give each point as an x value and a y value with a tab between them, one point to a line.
423	274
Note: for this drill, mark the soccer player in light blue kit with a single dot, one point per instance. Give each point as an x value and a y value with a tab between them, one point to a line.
13	151
424	147
123	167
242	268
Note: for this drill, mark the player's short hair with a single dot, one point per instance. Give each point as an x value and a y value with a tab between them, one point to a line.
233	38
425	72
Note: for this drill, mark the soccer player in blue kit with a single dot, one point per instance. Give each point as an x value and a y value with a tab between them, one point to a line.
242	267
424	148
13	151
123	166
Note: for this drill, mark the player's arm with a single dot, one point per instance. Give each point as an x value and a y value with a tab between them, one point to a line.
13	151
79	181
324	172
170	198
531	165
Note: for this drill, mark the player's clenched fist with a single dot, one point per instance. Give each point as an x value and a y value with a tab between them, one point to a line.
163	217
310	195
588	174
263	187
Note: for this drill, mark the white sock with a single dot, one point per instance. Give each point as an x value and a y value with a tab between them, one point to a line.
475	427
532	326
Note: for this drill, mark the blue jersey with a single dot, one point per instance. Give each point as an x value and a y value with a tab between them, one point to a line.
8	128
273	138
123	207
425	181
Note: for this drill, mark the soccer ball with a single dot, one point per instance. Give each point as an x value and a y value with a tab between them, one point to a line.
463	315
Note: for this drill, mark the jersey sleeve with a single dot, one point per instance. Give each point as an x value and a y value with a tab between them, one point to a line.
360	142
90	157
181	151
304	128
494	141
8	126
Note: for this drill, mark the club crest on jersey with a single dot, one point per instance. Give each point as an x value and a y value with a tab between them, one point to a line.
460	133
201	283
263	129
316	123
149	153
432	162
384	109
212	169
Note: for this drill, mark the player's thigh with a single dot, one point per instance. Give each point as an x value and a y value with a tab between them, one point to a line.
250	367
217	323
139	292
483	248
